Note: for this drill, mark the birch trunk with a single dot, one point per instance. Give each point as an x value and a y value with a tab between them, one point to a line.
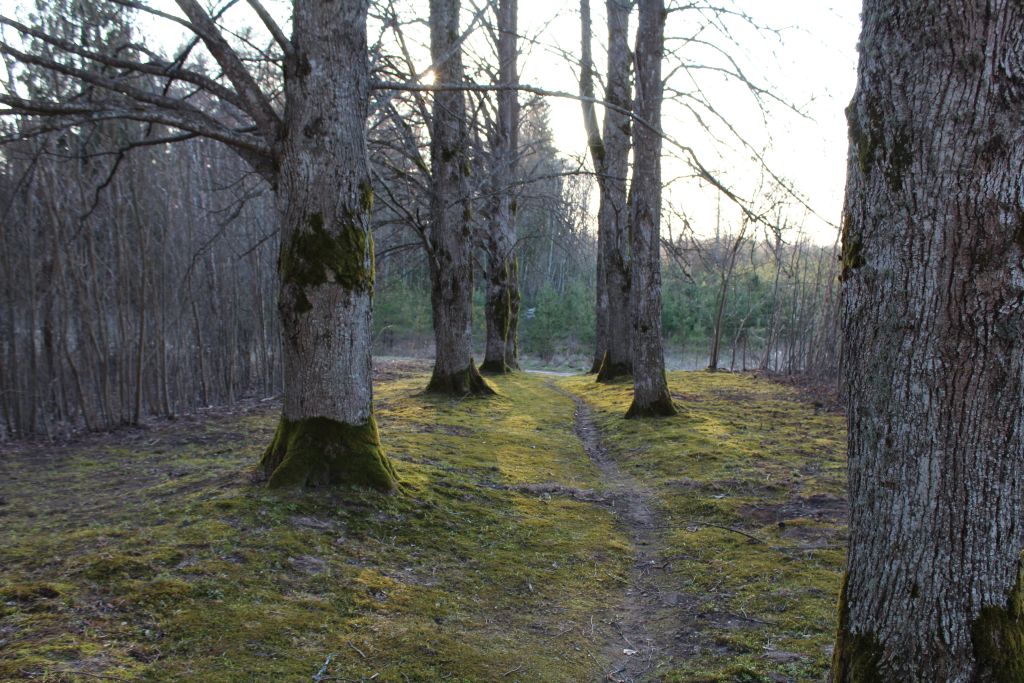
327	433
451	264
650	388
502	311
933	328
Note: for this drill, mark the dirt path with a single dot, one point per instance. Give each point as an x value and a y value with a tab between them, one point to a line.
644	624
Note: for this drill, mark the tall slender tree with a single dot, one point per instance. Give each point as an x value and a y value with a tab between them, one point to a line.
450	233
609	152
933	326
650	387
501	353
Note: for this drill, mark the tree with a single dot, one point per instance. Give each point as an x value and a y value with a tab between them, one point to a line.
650	388
501	352
609	151
316	160
933	328
450	238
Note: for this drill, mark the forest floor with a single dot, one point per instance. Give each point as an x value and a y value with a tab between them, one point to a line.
538	537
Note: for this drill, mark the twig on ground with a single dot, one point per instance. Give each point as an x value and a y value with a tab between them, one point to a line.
361	653
322	673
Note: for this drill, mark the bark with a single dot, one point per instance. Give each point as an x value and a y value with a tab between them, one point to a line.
451	264
609	152
933	329
502	310
327	433
650	388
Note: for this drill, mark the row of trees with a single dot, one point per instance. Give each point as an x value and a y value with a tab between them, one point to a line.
80	69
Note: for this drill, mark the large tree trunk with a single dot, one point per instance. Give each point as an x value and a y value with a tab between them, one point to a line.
650	389
451	264
327	433
502	311
609	151
933	325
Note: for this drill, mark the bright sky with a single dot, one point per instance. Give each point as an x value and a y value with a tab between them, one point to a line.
810	63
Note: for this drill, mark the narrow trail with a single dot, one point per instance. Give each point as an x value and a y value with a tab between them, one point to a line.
645	612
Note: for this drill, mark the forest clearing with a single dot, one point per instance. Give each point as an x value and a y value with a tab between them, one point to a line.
510	552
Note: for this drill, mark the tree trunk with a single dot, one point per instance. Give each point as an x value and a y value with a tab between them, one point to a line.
650	388
502	312
609	151
933	328
451	263
596	146
327	433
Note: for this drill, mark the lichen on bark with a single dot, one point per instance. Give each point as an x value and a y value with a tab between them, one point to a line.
319	451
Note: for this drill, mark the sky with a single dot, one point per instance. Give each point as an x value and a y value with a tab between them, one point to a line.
805	56
810	63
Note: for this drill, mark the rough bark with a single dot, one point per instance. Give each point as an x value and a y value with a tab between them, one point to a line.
327	433
502	310
650	388
451	264
609	151
933	328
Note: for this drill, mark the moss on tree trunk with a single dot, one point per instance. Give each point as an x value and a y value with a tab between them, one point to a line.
998	638
318	451
857	656
609	371
662	406
467	381
495	367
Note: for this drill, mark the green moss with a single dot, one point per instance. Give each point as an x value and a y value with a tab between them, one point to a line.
851	256
316	255
366	196
662	406
998	638
112	566
744	454
466	382
609	371
318	451
496	366
857	657
871	143
469	575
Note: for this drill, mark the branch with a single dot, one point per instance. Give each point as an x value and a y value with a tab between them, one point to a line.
275	30
258	106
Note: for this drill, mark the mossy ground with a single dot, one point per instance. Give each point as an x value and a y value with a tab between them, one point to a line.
749	455
152	556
